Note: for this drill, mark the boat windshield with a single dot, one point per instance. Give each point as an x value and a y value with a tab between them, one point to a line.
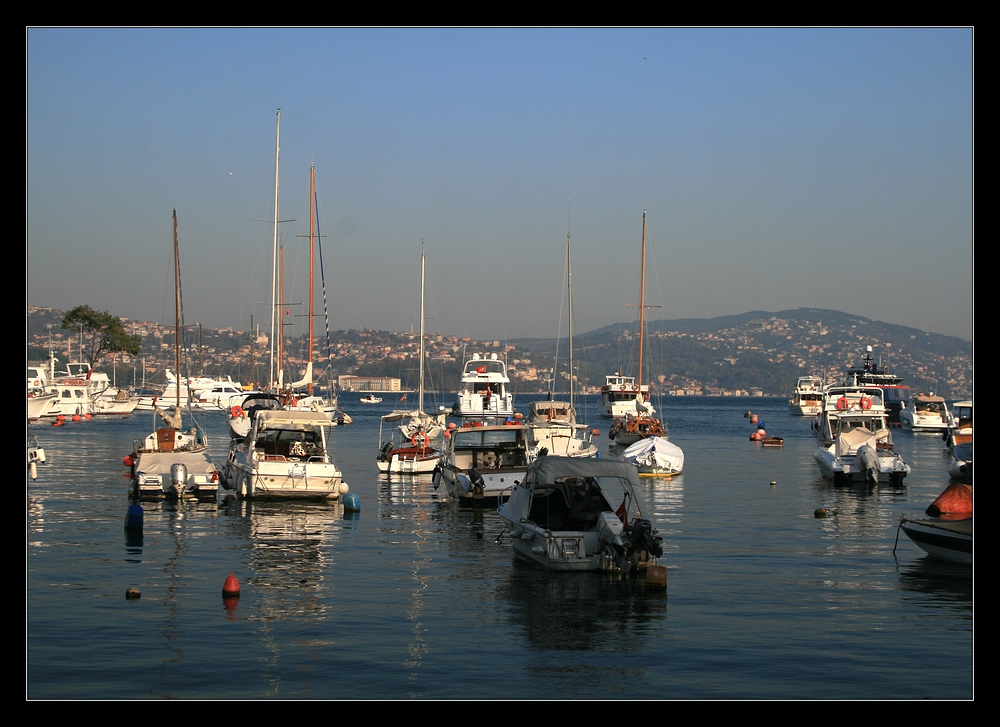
476	437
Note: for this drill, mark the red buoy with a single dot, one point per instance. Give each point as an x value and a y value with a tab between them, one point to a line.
231	589
955	500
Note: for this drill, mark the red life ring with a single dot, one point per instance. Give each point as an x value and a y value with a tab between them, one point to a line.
236	412
480	369
421	437
623	387
866	402
842	403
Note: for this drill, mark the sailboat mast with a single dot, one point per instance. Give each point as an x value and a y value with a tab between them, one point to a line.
274	251
569	270
420	391
312	248
281	311
642	300
177	312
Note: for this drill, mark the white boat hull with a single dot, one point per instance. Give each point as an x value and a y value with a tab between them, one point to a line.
409	461
159	475
887	467
655	457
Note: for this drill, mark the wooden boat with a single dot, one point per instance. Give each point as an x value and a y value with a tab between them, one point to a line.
643	423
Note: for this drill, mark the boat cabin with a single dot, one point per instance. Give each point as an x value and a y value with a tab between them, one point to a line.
488	448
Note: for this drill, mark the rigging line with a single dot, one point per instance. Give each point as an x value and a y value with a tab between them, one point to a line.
322	277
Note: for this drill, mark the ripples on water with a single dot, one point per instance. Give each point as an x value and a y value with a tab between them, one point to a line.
415	598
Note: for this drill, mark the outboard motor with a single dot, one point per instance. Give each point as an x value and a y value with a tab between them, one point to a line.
178	477
643	538
478	484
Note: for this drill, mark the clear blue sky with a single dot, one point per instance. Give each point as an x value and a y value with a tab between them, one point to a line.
780	168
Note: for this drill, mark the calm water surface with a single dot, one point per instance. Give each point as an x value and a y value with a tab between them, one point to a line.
415	598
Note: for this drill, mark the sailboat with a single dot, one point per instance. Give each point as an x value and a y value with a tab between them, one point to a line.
552	427
239	416
642	424
294	401
172	462
414	454
284	454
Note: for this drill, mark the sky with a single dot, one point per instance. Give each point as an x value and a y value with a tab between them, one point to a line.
779	168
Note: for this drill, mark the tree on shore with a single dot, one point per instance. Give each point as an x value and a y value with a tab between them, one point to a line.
107	334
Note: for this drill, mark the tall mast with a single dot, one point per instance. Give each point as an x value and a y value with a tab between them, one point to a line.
569	268
312	247
642	300
177	312
274	253
420	391
281	310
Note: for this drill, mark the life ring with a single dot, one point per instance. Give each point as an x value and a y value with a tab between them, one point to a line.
623	387
419	437
866	402
236	411
842	403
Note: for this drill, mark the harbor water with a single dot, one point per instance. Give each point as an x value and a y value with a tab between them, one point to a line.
415	597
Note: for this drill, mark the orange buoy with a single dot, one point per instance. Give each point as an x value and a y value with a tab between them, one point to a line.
231	588
656	576
955	500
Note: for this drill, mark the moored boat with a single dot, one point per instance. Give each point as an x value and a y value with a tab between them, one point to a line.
172	461
370	399
283	456
654	457
552	425
807	400
414	454
960	431
484	394
552	430
619	395
896	395
481	461
642	424
949	540
926	413
853	438
580	514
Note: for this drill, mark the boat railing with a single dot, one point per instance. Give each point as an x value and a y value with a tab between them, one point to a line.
282	458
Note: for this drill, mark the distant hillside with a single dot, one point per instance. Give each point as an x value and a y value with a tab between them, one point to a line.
754	352
767	351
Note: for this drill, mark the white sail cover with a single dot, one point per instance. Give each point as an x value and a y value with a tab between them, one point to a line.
655	454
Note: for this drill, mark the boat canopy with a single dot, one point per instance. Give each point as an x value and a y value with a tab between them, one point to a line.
850	441
614	478
543	412
302	420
